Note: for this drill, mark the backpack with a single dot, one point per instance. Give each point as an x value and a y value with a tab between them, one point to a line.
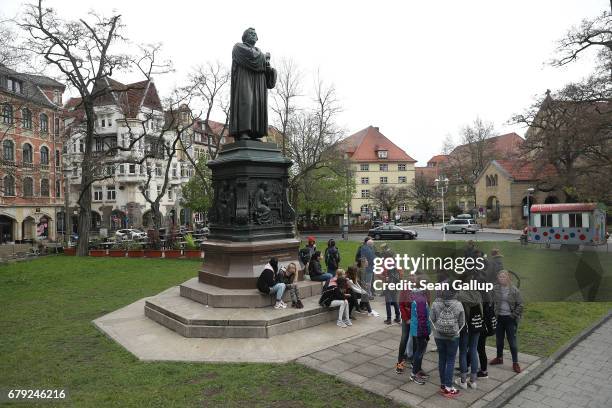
330	260
476	322
490	321
447	324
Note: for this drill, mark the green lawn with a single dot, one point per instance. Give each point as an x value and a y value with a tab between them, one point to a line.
48	341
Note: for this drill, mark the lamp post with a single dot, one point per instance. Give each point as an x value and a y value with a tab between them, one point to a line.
530	191
442	187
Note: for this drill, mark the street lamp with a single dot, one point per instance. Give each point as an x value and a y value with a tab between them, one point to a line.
530	191
442	187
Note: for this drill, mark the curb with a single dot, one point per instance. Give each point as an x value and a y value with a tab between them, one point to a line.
515	388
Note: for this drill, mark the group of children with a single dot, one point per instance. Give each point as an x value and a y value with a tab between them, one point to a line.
459	321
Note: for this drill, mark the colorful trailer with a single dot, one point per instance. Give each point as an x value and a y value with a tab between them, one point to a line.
569	223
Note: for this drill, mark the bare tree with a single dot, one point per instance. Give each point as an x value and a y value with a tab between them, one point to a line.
284	94
423	195
83	53
388	198
10	54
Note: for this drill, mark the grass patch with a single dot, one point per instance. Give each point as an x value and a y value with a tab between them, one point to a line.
48	341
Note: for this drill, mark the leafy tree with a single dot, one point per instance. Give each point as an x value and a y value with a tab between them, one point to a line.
197	192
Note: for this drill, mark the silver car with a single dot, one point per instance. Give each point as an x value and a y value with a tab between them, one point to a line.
461	225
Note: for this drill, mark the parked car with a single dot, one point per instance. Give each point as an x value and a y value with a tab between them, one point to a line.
461	225
204	231
390	231
130	233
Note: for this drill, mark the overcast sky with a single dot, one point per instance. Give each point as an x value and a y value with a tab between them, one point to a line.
419	70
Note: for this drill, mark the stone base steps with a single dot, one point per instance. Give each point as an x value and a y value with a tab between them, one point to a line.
241	298
193	319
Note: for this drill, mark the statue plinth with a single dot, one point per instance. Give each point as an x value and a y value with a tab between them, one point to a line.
251	219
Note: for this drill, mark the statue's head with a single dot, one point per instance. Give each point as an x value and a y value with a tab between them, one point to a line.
249	36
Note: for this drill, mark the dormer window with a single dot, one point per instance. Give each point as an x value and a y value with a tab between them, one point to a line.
57	97
383	154
14	85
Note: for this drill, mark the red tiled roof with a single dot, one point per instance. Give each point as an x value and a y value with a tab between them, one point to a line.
506	144
364	145
439	158
525	171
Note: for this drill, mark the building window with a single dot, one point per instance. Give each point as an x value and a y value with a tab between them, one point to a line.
383	167
132	168
58	158
169	194
383	180
111	194
56	127
365	180
365	209
27	153
9	186
546	220
364	167
382	154
26	118
44	123
97	194
401	179
7	114
28	187
44	155
14	85
58	188
8	150
44	188
158	170
365	193
174	170
81	146
99	146
110	170
122	169
75	170
57	97
402	208
158	190
103	123
575	220
401	167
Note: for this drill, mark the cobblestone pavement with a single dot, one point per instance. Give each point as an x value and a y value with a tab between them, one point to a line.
581	378
369	362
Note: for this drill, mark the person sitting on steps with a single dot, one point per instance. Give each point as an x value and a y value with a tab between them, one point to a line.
269	283
288	276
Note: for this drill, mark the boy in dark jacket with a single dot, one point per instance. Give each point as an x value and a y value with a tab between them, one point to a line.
332	257
315	271
269	282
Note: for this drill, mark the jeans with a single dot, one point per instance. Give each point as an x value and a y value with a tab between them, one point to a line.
388	308
324	277
506	327
332	272
468	344
447	351
417	359
365	304
404	342
294	292
369	281
279	289
482	352
352	302
343	312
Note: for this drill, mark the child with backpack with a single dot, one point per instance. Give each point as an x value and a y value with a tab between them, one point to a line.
332	257
419	331
447	319
471	300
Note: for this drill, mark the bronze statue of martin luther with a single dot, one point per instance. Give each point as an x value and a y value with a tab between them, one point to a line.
252	76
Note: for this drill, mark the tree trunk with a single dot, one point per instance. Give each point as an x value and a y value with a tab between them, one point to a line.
86	181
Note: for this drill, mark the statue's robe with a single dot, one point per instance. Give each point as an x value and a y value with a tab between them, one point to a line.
251	80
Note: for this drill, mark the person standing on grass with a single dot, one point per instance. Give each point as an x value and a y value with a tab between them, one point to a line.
419	331
315	271
337	295
495	265
332	257
391	276
508	304
268	282
368	253
471	300
447	319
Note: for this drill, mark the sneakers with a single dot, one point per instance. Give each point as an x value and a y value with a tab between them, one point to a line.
449	392
278	305
299	304
496	361
416	379
482	374
516	367
461	383
347	322
374	313
423	374
340	323
398	320
472	384
400	367
388	321
283	304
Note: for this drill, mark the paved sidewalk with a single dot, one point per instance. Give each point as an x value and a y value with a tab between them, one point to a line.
581	378
369	362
